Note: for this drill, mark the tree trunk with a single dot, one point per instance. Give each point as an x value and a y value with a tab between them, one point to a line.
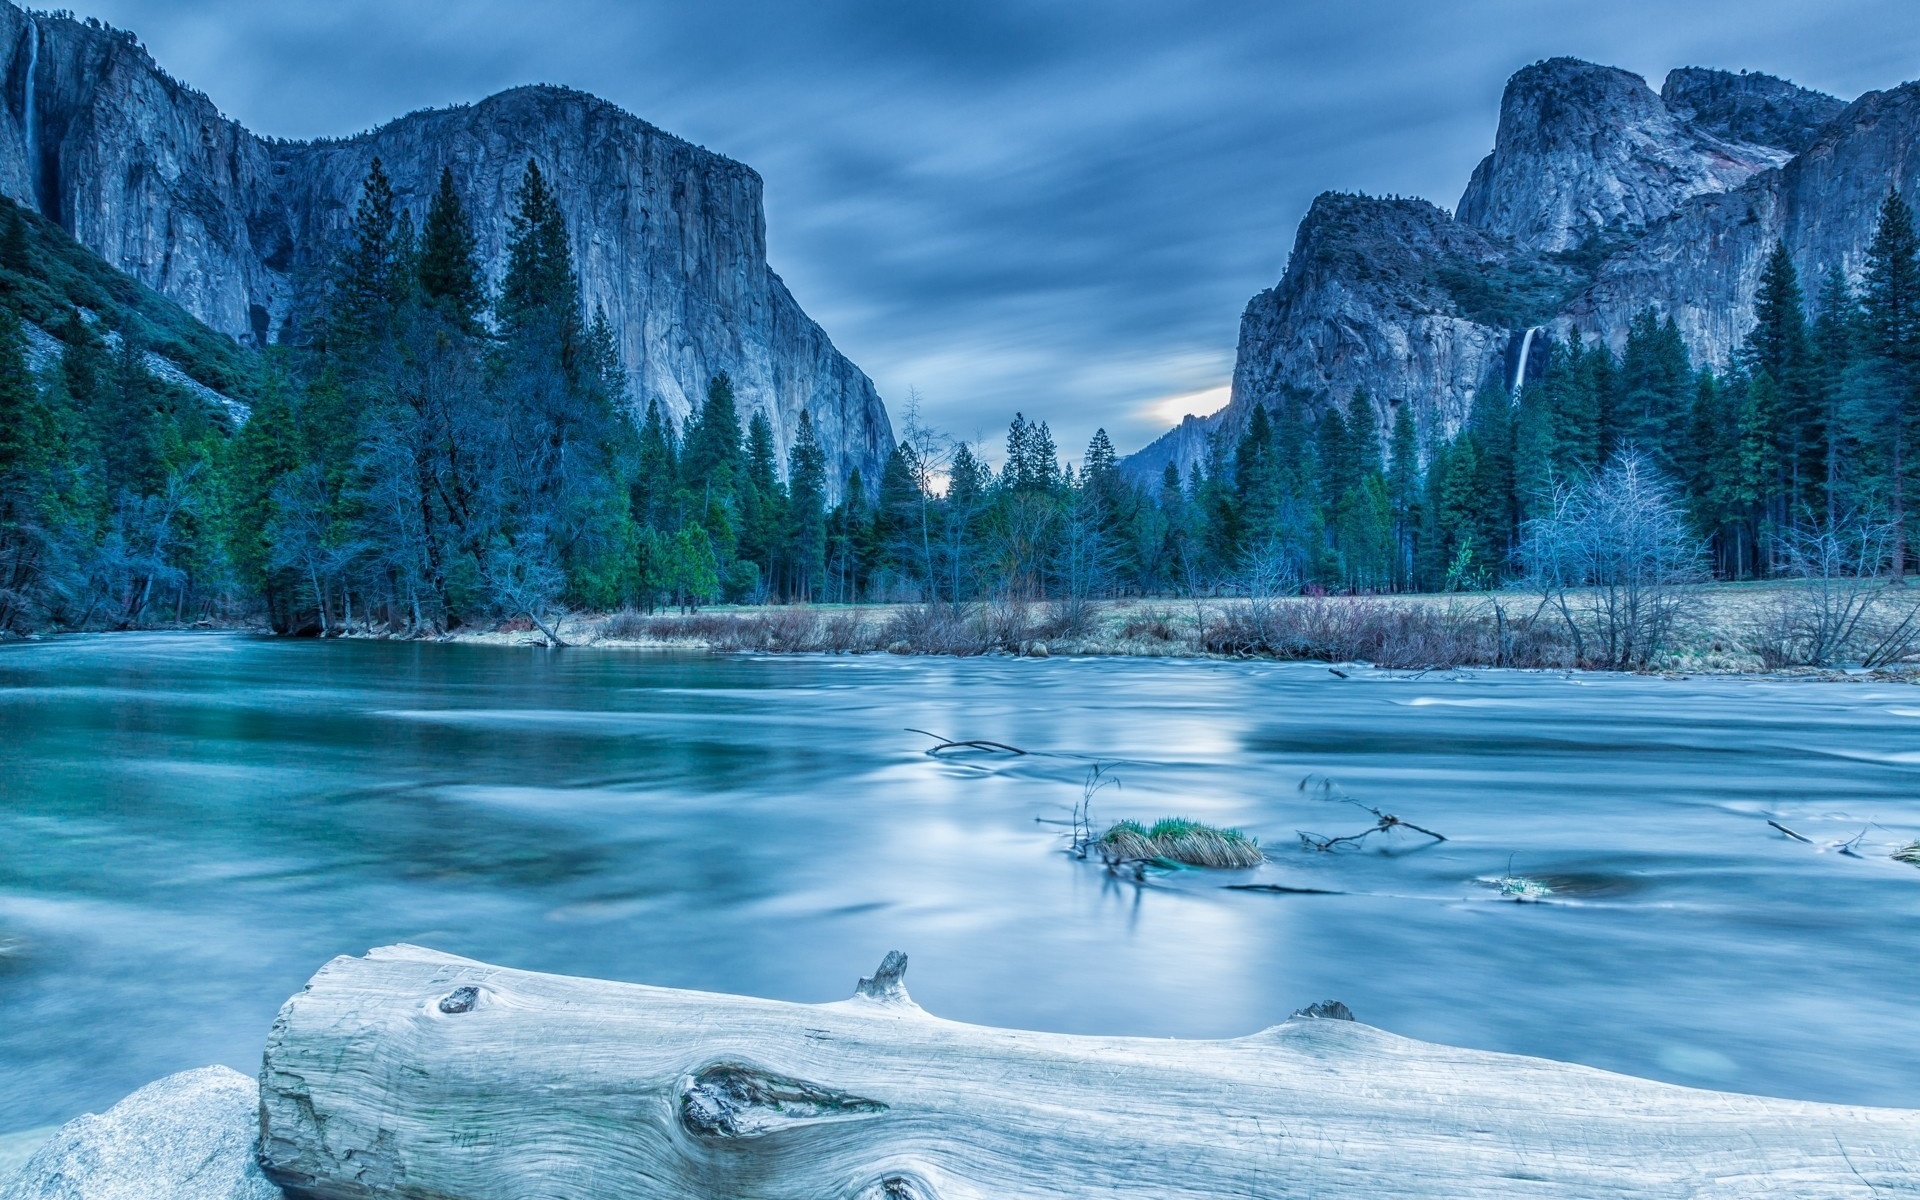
413	1073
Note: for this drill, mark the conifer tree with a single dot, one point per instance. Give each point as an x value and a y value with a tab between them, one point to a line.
1833	352
1403	492
1890	324
711	459
449	264
367	282
1656	384
807	491
539	302
652	487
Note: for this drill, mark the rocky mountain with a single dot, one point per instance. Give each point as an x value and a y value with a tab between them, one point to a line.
1601	198
670	238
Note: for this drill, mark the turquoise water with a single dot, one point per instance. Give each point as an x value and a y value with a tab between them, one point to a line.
191	824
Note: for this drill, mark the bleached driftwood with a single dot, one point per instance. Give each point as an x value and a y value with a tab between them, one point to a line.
418	1074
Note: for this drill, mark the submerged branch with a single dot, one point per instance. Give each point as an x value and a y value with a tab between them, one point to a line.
1384	822
947	743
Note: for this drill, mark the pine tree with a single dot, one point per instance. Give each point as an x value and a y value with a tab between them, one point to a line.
449	263
601	373
711	459
655	469
1403	492
1101	460
1656	386
539	301
1890	324
807	489
1779	347
1465	558
762	500
1832	354
1493	519
1254	517
367	281
1576	407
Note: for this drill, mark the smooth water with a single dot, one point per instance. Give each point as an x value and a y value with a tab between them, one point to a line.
191	824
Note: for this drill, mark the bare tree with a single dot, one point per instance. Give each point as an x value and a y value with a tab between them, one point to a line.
1826	614
1615	557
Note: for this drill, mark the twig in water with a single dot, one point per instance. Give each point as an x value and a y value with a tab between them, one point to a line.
1337	671
1083	835
947	743
1384	822
1790	833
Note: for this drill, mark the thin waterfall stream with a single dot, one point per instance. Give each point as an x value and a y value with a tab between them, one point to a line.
28	120
1520	371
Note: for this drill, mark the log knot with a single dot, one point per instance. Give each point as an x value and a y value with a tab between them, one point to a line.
1325	1010
886	985
460	1000
896	1187
732	1100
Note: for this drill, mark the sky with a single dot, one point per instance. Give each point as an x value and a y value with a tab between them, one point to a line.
1058	207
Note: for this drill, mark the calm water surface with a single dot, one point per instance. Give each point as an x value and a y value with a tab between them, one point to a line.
191	824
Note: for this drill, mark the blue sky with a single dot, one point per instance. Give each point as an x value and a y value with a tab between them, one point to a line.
1055	207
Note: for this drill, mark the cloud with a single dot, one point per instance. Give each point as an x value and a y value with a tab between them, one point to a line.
1055	208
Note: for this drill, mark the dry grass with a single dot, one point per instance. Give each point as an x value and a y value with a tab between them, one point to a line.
1398	632
1179	840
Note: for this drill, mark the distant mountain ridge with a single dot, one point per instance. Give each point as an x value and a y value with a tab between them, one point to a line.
1601	198
669	238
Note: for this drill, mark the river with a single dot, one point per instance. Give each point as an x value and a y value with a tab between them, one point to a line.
190	824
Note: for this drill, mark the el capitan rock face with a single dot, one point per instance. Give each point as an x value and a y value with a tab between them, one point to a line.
1601	199
669	238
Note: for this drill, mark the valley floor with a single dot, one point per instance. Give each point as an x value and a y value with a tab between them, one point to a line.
1721	629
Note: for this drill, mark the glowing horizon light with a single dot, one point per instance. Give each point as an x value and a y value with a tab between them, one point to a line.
1171	410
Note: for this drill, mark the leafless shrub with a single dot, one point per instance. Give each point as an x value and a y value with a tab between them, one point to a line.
936	628
1840	607
1827	614
1615	559
1395	634
626	626
847	632
1070	617
1005	624
1155	625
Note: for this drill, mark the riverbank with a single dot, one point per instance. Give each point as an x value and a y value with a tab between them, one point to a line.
1723	629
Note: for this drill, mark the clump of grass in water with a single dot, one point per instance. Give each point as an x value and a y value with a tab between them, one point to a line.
1176	839
1908	854
1517	888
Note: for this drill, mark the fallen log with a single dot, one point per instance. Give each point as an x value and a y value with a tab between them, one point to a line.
418	1074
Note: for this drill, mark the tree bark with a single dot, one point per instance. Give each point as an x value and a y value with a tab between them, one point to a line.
418	1074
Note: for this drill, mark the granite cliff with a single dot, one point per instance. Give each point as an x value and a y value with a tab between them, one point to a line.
1601	198
669	238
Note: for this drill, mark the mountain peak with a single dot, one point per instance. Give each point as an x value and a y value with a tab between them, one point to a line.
1587	151
1748	106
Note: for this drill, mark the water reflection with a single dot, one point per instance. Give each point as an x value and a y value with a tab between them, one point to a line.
191	824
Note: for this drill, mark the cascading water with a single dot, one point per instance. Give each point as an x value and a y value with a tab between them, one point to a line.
1520	371
27	116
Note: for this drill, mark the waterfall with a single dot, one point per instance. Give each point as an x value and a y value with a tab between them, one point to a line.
1520	372
27	118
